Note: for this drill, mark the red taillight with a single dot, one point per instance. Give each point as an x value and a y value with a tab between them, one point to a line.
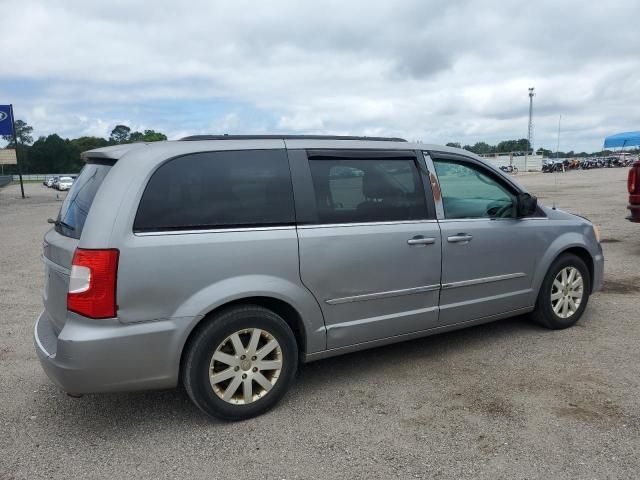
632	180
92	284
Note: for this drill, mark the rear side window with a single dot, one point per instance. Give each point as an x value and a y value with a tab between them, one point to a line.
367	190
218	190
76	206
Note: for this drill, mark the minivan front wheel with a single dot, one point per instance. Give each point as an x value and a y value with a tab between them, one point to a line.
240	363
564	293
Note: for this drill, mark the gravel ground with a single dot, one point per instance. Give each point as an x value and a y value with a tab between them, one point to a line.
505	400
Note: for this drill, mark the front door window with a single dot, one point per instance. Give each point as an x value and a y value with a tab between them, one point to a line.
469	192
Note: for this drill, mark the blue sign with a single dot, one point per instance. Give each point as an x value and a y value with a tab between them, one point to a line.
6	122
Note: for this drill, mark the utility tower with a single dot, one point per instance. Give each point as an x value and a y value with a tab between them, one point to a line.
530	132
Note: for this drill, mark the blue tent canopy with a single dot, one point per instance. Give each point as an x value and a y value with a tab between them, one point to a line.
626	139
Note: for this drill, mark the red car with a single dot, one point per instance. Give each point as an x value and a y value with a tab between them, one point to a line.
633	184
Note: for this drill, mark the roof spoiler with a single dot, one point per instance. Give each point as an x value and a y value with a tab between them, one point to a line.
109	155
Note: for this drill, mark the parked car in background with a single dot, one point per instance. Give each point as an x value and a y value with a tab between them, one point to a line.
65	183
54	182
230	259
633	186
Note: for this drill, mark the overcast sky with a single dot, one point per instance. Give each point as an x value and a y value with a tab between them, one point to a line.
435	71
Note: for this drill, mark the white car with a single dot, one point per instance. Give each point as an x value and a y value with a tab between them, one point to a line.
65	183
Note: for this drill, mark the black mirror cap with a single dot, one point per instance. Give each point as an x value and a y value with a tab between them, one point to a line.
527	204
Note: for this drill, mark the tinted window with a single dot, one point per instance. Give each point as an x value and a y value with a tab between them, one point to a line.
366	190
75	207
218	190
471	192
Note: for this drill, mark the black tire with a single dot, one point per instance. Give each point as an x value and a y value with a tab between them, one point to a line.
543	313
205	341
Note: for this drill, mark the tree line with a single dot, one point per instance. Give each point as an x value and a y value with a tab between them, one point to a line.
54	154
520	147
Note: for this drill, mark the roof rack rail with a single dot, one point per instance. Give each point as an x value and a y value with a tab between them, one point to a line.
291	137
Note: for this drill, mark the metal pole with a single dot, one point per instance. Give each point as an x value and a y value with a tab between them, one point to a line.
530	131
15	140
558	145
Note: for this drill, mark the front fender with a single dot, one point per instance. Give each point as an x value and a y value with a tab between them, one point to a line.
561	244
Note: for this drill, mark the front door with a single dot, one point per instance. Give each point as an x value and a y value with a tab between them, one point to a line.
487	265
371	256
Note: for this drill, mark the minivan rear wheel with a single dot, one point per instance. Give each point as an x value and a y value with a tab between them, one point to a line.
240	363
564	293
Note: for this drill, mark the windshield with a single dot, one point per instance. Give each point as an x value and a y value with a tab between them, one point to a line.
75	207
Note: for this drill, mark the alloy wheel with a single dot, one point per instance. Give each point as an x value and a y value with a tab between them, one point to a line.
567	292
245	366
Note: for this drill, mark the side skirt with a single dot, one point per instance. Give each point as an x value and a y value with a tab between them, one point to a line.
312	357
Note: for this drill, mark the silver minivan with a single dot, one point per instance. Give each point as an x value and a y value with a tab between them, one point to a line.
222	262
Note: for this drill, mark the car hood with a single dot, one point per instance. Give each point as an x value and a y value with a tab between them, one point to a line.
557	214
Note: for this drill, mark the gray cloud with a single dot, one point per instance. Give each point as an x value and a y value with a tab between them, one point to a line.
431	70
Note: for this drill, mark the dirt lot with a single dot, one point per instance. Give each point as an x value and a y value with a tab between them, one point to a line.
506	400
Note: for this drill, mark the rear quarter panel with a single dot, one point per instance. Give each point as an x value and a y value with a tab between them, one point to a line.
186	275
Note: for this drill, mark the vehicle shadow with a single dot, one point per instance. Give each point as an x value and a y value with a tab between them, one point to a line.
434	349
107	415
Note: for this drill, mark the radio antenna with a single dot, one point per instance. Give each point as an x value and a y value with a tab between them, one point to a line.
555	172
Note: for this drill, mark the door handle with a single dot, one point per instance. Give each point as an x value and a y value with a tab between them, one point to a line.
460	238
420	240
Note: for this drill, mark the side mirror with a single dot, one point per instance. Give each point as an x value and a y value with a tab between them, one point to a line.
527	204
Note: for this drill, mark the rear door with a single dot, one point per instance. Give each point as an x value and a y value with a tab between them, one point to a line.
369	243
61	241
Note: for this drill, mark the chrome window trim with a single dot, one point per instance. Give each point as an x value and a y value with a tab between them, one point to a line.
435	186
477	281
378	295
390	316
213	230
309	226
479	219
365	224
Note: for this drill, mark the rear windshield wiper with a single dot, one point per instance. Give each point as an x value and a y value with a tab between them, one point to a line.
59	223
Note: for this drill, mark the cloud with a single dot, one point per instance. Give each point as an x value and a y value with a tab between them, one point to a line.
437	71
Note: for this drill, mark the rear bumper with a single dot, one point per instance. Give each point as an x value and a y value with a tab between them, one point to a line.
91	356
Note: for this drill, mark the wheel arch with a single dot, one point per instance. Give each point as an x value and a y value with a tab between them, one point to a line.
562	245
284	309
583	254
576	248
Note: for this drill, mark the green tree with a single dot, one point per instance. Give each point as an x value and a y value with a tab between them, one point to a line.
89	143
53	154
506	146
153	136
23	132
147	136
544	152
454	144
136	137
482	148
523	145
120	134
